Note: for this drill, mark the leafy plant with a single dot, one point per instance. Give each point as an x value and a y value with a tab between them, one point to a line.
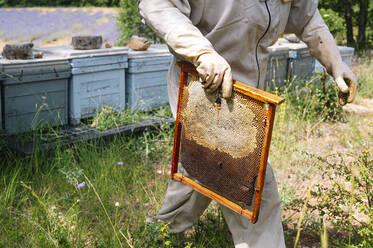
108	118
129	22
348	202
315	99
335	23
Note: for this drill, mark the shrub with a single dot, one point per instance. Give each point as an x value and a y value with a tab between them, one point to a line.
348	202
336	24
333	20
314	99
129	22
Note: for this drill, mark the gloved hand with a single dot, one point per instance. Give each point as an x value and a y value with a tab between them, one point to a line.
322	45
186	41
214	71
346	82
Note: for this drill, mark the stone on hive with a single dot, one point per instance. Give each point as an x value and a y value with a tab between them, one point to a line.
39	55
18	51
107	44
138	43
86	42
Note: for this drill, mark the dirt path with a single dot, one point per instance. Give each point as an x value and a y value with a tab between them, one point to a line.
364	107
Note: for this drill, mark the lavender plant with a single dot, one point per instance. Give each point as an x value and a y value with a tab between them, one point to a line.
59	24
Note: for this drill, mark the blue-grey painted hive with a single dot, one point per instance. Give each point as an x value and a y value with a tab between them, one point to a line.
35	93
98	79
293	60
146	77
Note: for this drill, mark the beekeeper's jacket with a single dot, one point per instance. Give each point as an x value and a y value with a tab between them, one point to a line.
239	30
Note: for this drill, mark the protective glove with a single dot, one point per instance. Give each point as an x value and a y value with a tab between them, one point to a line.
214	71
169	20
322	46
346	82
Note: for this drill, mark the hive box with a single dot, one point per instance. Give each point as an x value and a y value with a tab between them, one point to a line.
292	61
277	67
35	93
146	77
98	79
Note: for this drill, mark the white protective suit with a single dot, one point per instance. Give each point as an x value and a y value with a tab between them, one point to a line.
237	32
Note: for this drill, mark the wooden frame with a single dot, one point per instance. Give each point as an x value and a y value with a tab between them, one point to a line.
262	96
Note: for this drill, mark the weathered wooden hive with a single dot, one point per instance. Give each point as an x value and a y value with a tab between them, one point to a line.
146	77
98	79
35	93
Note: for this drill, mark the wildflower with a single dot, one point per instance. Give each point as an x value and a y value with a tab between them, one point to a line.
120	163
80	185
117	204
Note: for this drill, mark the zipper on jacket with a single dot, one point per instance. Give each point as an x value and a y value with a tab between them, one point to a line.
260	39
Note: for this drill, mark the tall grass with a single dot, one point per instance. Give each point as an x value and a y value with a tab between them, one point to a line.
365	80
51	208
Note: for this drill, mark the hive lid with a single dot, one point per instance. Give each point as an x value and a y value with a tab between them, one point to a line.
25	62
69	52
34	69
346	50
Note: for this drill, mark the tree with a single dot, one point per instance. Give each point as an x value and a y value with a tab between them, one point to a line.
356	13
130	23
349	27
362	22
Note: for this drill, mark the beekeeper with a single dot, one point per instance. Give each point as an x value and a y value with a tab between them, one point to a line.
225	40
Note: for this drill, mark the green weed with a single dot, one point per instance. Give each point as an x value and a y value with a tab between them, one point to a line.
108	118
312	100
346	203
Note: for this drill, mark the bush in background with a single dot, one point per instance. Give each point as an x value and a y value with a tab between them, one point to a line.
129	22
336	24
348	203
313	100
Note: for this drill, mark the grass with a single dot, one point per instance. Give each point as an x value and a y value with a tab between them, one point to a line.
107	118
98	194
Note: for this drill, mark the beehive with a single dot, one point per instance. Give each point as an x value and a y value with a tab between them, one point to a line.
35	94
146	77
98	79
